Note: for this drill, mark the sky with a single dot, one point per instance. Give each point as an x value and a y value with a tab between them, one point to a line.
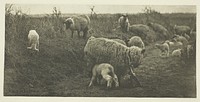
47	8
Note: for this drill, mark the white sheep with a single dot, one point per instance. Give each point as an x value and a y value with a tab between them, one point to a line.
78	23
136	41
164	48
33	38
189	50
124	23
123	58
180	30
106	71
174	45
186	36
177	53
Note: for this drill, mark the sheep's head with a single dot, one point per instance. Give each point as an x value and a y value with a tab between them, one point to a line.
135	56
68	22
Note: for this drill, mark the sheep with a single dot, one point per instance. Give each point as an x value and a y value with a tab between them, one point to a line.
136	41
124	23
161	30
180	30
177	53
174	45
123	58
186	36
178	38
164	48
141	30
106	71
78	23
33	38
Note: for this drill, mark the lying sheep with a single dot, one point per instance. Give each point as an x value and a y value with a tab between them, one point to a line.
177	53
164	48
124	23
106	71
78	23
123	58
174	45
136	41
33	38
180	30
161	30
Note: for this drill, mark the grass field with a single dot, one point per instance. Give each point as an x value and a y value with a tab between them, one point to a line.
57	70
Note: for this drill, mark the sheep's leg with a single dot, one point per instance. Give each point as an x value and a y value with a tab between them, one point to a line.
133	76
91	82
108	78
36	48
116	80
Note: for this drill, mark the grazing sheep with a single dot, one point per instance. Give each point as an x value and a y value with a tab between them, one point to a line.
164	48
136	41
106	71
162	31
78	23
33	38
124	23
123	58
178	38
177	53
180	30
140	30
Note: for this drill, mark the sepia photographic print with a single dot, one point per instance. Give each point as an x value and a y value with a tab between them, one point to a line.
100	50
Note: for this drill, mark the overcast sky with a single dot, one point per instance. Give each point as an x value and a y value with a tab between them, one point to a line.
47	8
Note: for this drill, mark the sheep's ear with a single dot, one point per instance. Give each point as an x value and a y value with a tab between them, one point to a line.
143	51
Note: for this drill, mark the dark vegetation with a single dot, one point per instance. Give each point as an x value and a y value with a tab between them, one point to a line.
57	70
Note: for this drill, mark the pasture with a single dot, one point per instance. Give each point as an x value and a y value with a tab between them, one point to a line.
57	70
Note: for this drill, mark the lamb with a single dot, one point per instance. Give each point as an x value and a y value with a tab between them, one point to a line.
123	58
136	41
177	53
33	38
106	71
78	23
161	30
180	30
124	23
164	48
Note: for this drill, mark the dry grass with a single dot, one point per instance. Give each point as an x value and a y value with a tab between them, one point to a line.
57	70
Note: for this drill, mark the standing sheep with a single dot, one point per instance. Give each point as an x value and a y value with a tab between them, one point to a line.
123	58
180	30
161	30
78	23
124	23
135	41
33	38
106	71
